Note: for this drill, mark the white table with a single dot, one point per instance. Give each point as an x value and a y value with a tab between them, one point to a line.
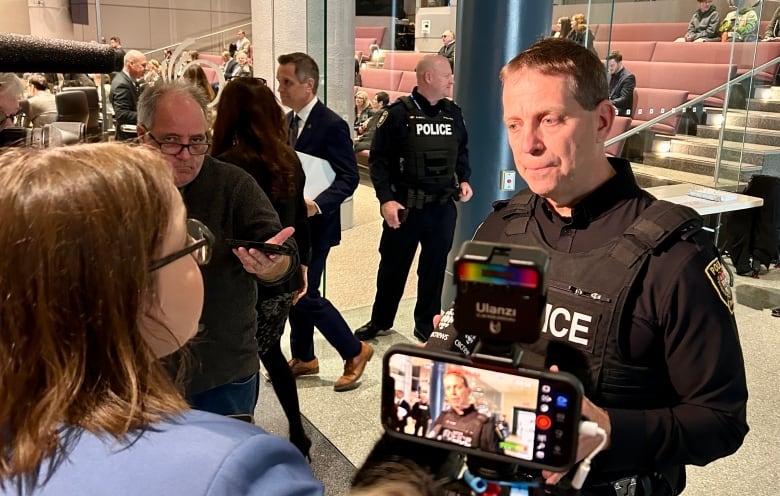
678	193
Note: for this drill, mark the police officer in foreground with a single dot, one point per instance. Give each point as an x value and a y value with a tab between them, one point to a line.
638	304
419	166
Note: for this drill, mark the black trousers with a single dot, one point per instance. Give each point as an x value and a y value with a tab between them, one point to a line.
432	228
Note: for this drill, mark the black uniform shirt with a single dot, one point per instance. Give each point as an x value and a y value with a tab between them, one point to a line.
678	317
393	127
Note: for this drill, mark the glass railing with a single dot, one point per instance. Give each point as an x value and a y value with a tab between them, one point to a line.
214	42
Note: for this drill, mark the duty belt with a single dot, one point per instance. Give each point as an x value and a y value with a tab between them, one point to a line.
416	198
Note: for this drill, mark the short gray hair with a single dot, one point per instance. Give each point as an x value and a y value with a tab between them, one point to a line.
10	82
150	98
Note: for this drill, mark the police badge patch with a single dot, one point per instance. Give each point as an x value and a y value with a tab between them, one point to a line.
720	281
381	119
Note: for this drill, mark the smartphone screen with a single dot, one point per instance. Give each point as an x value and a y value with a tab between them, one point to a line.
269	248
526	417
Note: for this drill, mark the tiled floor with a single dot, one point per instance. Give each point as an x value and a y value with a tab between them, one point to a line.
350	420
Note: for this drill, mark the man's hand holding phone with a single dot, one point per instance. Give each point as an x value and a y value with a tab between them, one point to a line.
585	443
266	265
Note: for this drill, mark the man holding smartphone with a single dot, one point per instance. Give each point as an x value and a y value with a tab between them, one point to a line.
223	380
638	306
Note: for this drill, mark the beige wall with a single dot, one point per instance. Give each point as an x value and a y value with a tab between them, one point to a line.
15	18
151	24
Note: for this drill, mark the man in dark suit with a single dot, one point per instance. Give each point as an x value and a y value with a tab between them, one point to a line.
621	84
318	131
124	94
448	47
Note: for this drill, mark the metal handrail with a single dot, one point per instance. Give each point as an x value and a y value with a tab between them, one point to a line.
215	33
691	103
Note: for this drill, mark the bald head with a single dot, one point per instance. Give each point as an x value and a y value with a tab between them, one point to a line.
135	64
434	77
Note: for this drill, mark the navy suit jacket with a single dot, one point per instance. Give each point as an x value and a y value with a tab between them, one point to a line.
195	453
327	136
124	99
621	91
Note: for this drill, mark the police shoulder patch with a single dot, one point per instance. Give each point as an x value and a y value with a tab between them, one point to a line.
716	274
382	118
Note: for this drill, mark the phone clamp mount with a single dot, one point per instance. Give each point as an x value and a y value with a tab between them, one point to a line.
500	299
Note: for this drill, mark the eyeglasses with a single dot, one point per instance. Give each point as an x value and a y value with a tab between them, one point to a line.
176	148
4	117
201	241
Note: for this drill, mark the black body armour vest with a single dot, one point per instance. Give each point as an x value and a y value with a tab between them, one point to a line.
430	151
586	299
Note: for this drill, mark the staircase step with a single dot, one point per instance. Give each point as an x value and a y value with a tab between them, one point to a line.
767	92
762	105
743	118
729	170
648	176
768	137
765	156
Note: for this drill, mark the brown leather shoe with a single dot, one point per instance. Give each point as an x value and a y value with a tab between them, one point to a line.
299	367
353	369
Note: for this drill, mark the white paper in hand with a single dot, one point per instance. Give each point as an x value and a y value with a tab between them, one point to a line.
319	175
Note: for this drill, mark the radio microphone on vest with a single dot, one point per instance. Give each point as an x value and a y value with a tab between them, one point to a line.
25	53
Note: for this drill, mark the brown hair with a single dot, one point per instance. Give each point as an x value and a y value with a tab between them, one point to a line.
305	67
615	55
80	227
197	76
251	123
559	57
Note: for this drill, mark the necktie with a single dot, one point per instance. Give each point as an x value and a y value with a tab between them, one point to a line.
292	138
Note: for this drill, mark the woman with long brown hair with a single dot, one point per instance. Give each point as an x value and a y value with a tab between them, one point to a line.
100	279
249	132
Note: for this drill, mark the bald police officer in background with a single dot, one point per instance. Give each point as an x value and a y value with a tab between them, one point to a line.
638	305
419	166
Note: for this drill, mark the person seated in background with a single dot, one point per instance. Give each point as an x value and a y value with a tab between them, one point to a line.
580	33
363	111
773	28
153	72
242	67
704	23
87	406
379	103
448	47
11	91
621	84
197	76
43	107
562	28
740	24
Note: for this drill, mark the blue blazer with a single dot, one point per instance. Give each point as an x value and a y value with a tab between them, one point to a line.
198	453
326	135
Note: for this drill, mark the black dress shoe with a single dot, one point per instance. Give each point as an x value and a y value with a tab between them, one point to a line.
369	331
776	312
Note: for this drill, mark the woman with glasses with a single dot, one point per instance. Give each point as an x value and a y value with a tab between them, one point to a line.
250	132
100	280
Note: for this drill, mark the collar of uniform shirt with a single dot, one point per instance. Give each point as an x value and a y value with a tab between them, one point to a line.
620	186
425	105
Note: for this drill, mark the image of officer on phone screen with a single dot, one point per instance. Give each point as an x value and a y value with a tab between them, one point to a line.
463	424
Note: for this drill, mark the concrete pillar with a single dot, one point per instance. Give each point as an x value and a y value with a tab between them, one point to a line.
323	29
489	35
